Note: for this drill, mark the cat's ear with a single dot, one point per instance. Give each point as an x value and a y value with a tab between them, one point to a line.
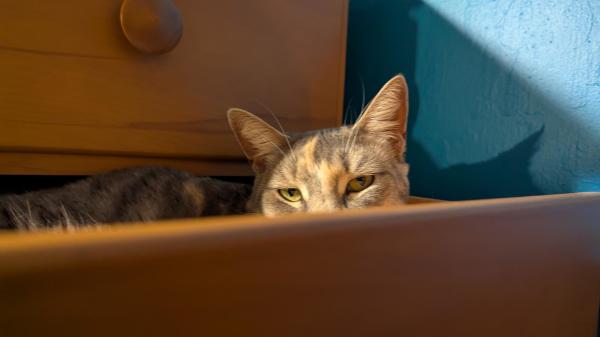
259	141
386	115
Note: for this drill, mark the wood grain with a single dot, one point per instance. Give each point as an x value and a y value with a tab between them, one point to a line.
19	163
72	83
511	267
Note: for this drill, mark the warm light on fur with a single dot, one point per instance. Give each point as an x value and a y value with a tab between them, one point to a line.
321	163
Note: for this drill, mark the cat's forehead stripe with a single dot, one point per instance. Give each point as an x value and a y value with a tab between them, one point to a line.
324	145
323	157
328	173
308	151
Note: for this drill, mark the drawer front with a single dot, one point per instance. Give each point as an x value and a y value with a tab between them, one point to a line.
71	83
507	267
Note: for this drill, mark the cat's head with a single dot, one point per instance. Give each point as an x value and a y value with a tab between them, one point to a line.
325	170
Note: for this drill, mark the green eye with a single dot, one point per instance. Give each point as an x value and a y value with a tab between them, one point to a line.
290	194
359	183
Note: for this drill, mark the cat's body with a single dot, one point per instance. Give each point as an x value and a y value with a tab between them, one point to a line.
136	194
319	171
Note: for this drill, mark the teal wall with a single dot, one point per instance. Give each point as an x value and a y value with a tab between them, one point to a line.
505	95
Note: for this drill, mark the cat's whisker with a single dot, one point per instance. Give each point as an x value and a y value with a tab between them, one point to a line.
278	148
362	84
354	139
364	104
346	117
348	141
351	140
287	140
354	134
346	113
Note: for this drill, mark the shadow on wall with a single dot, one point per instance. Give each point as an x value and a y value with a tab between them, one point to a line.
477	129
504	175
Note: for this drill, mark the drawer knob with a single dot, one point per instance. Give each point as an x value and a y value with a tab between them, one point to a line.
151	26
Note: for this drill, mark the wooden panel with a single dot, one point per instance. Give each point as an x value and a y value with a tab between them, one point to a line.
69	74
17	163
513	267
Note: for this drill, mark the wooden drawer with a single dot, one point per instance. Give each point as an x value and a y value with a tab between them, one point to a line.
71	85
510	267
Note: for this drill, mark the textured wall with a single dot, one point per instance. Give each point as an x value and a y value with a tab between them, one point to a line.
505	94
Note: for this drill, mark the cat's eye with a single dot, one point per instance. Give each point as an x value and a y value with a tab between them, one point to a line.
360	183
290	194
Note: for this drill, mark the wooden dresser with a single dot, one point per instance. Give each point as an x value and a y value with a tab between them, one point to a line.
78	96
497	268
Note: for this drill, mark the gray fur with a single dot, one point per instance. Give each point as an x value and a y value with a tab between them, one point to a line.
319	163
322	163
135	194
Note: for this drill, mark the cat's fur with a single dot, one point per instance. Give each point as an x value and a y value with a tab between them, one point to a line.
134	194
320	164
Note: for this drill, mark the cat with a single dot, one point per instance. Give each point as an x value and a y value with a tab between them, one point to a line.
317	171
138	194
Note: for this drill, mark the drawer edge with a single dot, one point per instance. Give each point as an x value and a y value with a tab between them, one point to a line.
25	163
